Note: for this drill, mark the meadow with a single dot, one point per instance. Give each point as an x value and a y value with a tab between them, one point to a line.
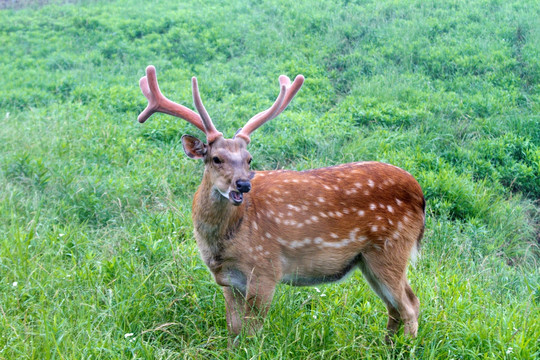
97	256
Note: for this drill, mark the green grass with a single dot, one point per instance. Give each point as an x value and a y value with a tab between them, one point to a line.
97	258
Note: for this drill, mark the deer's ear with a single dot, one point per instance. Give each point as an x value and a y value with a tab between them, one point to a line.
193	147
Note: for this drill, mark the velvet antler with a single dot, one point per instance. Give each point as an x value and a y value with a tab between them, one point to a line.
159	103
287	92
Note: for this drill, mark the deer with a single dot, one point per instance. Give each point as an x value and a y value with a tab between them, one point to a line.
255	229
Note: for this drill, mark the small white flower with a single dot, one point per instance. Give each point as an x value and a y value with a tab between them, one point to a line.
61	235
128	335
15	283
317	289
323	295
510	350
314	316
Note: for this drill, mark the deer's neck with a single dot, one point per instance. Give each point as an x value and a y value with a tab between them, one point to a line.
215	219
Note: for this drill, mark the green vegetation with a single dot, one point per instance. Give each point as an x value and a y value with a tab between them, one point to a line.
97	258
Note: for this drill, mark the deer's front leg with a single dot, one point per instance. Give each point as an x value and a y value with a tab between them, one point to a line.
247	309
234	306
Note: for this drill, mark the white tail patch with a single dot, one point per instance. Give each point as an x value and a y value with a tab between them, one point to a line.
415	254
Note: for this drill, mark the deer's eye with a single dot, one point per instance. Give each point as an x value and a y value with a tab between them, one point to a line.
249	161
216	160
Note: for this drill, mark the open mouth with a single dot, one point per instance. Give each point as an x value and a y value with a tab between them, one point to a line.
236	197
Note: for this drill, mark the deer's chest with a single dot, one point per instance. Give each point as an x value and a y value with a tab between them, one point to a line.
217	257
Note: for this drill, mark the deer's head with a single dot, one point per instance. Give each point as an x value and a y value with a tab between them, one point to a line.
227	161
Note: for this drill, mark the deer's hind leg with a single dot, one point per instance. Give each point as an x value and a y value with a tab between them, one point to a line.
386	274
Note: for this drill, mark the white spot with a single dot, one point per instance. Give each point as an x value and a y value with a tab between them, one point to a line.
374	228
299	243
372	206
314	218
321	199
361	238
259	248
345	211
318	240
358	185
390	221
361	212
396	235
255	226
323	214
379	217
390	209
308	222
268	235
338	214
295	181
292	207
370	183
343	242
381	206
334	235
337	244
327	187
366	192
399	202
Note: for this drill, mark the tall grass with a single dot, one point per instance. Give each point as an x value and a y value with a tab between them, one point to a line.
97	258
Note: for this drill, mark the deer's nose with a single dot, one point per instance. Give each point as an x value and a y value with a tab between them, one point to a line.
243	186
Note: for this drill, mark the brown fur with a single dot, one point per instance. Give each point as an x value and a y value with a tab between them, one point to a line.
309	227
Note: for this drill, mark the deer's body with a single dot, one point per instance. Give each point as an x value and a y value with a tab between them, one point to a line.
257	229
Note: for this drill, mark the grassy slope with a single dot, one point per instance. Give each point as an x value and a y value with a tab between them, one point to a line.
96	237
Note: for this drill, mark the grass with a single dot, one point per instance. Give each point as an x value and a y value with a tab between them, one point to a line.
97	258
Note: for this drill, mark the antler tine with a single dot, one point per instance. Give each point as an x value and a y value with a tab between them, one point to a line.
211	132
159	103
286	94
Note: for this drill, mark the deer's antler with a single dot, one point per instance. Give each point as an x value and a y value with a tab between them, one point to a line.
287	92
159	103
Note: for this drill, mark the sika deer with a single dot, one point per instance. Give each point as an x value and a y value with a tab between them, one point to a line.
256	229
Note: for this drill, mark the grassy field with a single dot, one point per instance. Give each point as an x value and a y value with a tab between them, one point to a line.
97	257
